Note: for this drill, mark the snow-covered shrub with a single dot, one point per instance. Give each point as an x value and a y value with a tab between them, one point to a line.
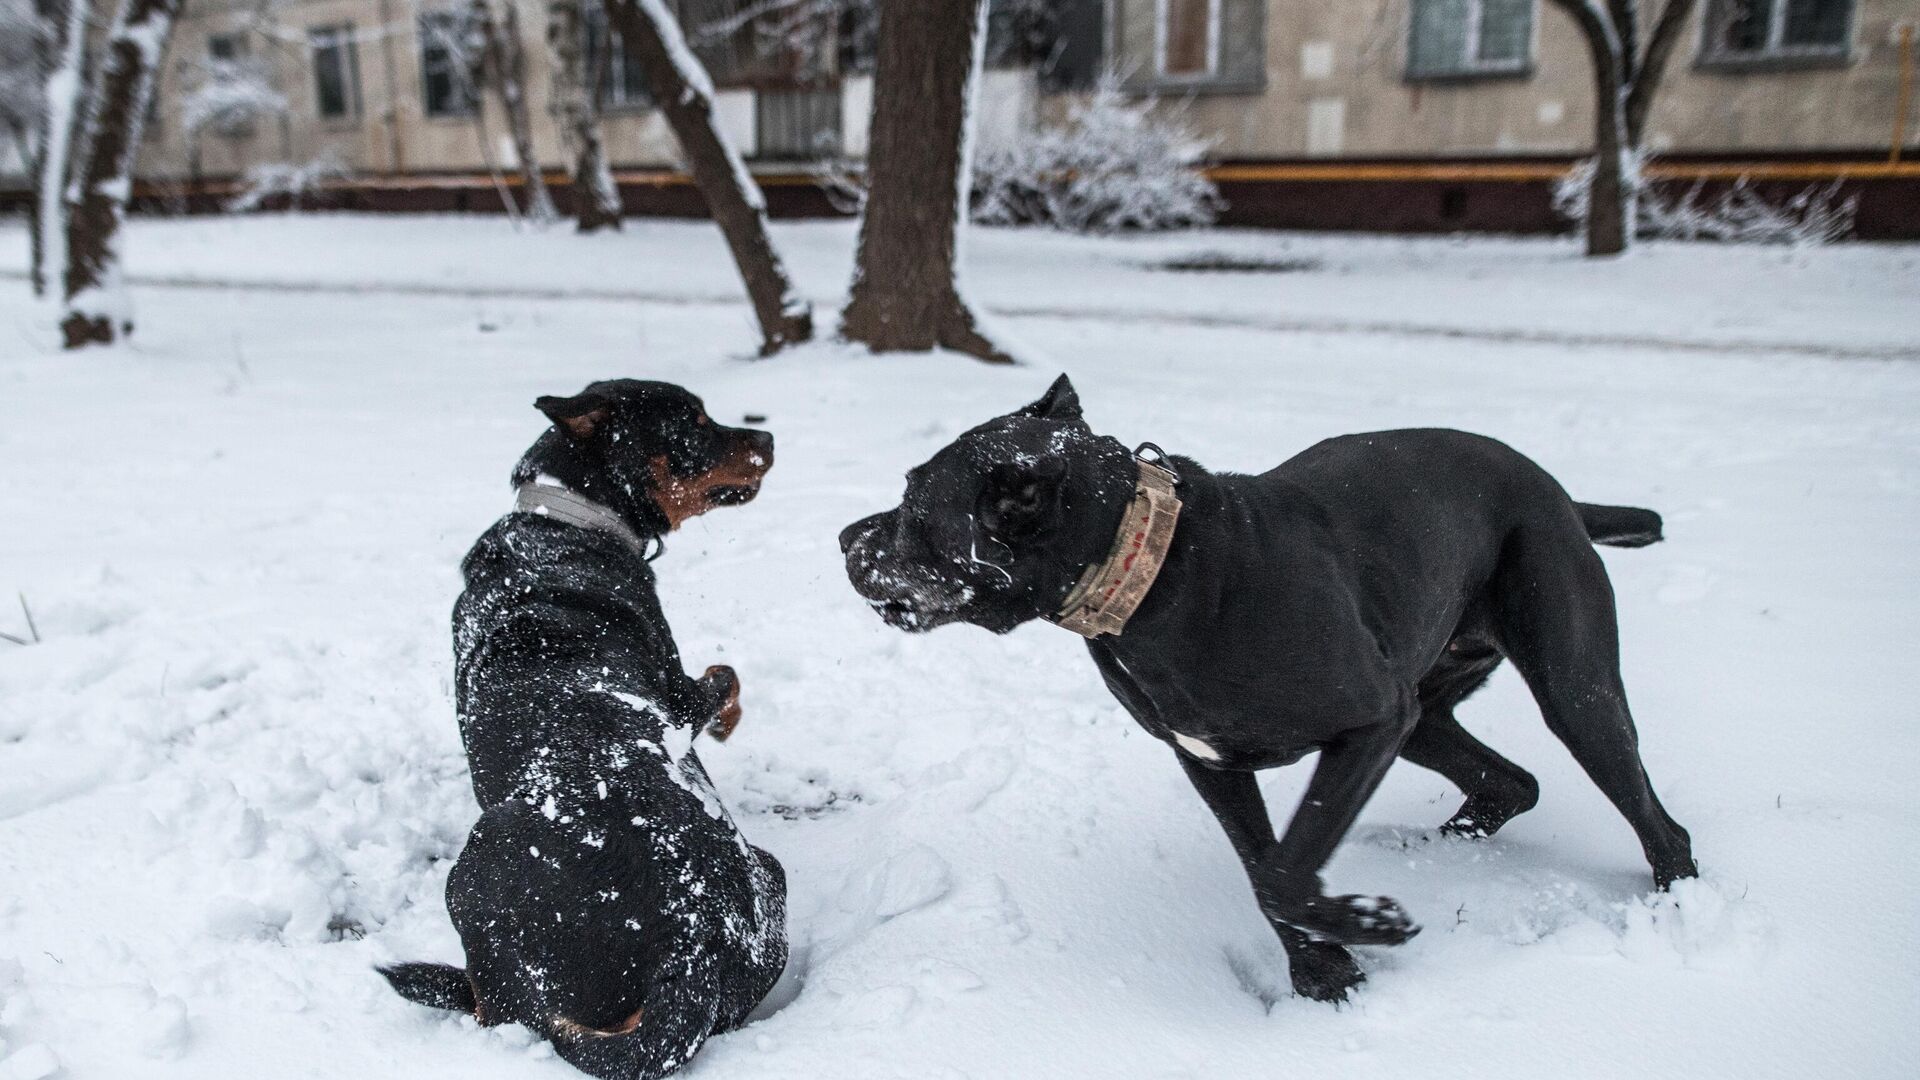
1815	215
294	180
230	97
1115	165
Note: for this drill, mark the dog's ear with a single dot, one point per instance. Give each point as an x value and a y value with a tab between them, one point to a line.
1019	500
438	986
581	415
1060	402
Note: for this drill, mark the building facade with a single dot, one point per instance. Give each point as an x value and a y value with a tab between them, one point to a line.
1341	113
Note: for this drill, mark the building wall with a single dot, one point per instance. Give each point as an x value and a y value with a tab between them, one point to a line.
1334	84
1298	79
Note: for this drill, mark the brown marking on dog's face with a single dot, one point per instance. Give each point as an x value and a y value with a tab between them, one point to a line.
568	1029
733	480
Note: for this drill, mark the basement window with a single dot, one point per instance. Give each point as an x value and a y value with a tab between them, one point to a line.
1470	39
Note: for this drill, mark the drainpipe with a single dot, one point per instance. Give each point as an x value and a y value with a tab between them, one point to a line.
396	156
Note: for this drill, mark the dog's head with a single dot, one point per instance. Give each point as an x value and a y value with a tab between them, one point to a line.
994	529
648	450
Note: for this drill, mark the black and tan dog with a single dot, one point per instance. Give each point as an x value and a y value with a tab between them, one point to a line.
1343	602
605	898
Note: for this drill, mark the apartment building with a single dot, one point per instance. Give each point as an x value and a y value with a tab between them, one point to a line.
1388	114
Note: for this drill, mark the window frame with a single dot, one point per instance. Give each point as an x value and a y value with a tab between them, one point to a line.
341	37
1216	13
1713	54
1470	66
458	88
611	90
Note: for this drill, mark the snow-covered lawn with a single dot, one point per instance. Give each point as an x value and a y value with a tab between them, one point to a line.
230	779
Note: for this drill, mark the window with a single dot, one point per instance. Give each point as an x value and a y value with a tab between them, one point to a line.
449	50
226	48
622	81
1747	30
1187	44
1459	39
336	72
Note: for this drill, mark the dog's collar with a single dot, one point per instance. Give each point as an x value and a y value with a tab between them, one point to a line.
1110	590
560	504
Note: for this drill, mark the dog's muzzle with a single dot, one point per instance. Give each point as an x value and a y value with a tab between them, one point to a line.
898	590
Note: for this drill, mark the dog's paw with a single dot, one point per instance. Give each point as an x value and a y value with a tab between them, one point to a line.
1327	973
723	689
1349	920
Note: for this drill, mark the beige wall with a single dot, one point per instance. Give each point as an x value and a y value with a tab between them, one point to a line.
1326	82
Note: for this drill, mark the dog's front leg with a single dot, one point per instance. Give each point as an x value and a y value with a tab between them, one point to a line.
720	689
1320	970
1287	879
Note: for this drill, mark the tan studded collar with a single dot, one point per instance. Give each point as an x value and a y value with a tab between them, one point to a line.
1109	591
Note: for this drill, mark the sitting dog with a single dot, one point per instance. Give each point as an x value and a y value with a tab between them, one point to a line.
1343	602
605	898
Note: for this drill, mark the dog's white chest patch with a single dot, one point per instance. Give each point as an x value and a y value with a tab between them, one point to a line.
1196	747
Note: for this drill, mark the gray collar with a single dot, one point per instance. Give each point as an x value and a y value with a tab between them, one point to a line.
560	504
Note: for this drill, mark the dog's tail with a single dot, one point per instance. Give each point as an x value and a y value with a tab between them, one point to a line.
1619	526
438	986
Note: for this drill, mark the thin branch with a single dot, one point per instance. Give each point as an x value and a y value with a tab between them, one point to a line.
28	612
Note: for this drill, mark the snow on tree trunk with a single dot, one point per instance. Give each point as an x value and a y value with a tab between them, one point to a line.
596	201
906	294
680	85
1608	210
1652	67
504	65
62	95
97	310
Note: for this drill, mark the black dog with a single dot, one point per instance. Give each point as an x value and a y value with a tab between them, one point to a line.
1344	602
605	898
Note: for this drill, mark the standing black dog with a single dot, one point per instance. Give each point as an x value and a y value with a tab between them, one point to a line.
1343	602
605	898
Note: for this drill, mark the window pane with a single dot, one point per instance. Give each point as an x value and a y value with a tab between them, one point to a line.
1744	25
333	72
1506	30
446	50
1438	45
1185	33
1816	22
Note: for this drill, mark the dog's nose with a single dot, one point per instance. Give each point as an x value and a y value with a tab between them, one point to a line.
851	535
760	442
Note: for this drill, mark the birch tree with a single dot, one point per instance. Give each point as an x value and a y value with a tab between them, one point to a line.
596	199
1625	79
97	308
62	41
906	294
684	93
503	63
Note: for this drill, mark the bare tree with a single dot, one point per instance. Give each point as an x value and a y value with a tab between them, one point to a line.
684	93
503	65
906	295
596	200
1625	79
97	310
61	32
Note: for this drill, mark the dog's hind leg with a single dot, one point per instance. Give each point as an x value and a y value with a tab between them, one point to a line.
1320	970
1496	789
1554	616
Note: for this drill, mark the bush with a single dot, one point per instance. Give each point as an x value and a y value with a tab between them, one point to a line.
1114	166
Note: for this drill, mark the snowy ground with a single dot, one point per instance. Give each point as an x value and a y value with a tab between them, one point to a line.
230	780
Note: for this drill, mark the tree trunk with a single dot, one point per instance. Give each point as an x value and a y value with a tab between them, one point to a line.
64	86
684	93
1607	209
97	309
906	295
504	64
596	201
1653	66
